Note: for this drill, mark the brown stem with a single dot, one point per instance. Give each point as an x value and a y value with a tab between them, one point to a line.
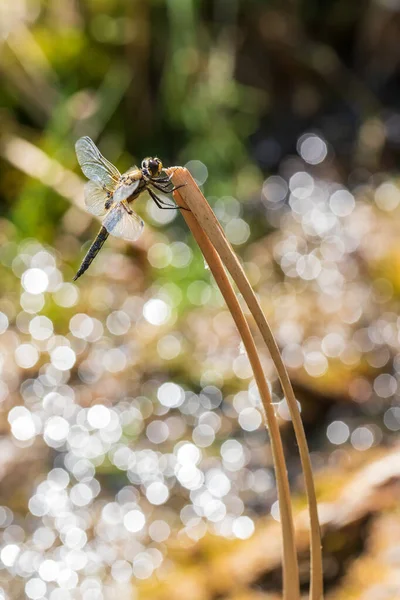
191	194
290	565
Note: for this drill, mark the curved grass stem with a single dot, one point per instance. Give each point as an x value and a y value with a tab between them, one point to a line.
290	564
190	195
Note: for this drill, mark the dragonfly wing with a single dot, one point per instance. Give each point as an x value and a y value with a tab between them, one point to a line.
125	190
121	224
94	165
95	198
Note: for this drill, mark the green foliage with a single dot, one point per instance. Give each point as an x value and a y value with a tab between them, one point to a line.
150	78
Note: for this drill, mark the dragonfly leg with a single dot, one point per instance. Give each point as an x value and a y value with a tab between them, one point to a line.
163	205
163	187
165	179
170	190
177	187
161	201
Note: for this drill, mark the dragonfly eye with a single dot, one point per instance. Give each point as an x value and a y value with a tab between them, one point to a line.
155	166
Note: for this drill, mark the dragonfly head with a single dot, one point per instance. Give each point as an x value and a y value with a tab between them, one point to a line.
152	166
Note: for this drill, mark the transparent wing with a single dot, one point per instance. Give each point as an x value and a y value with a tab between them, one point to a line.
94	165
125	190
123	225
95	198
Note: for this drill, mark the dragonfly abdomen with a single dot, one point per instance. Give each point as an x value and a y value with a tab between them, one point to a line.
92	252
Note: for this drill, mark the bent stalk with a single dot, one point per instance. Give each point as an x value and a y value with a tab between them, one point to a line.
290	564
191	194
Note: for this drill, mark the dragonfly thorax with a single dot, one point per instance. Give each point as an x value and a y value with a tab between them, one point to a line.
152	167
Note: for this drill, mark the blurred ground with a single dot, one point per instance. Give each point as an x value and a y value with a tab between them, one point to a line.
134	460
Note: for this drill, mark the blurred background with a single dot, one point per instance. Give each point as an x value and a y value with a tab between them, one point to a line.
133	456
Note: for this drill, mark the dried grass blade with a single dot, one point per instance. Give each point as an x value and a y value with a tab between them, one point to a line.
194	199
290	564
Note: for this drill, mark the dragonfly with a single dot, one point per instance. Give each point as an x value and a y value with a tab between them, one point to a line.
108	194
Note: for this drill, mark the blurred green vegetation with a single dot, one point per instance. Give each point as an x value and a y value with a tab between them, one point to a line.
150	79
